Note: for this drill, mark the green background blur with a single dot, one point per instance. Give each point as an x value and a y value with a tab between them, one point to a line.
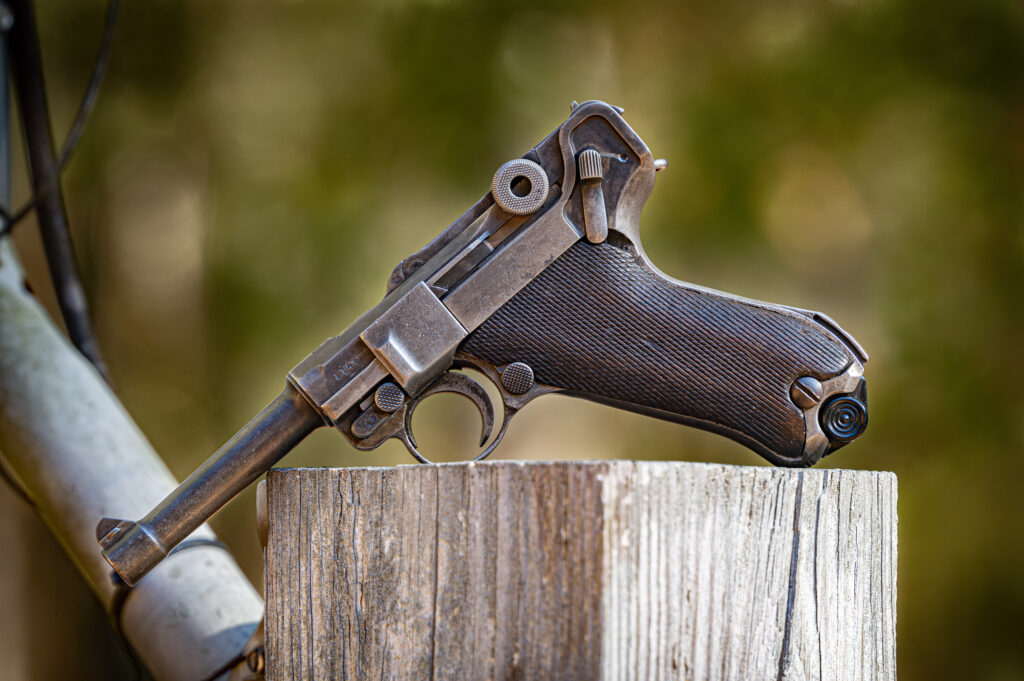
254	170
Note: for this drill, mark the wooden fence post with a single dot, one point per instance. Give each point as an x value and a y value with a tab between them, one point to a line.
580	570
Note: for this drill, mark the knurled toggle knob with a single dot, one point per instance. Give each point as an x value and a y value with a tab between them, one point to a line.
520	187
591	169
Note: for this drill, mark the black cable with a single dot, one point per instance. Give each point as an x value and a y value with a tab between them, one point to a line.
92	90
85	108
50	210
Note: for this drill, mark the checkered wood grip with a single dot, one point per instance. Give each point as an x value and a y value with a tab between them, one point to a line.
602	325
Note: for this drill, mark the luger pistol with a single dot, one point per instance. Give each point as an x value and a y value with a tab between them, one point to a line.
543	286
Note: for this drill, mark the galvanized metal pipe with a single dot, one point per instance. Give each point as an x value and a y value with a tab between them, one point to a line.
80	457
72	447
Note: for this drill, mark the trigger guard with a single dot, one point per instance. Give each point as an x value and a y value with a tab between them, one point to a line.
399	427
479	457
459	384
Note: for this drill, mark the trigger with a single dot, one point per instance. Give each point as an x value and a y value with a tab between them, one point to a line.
453	382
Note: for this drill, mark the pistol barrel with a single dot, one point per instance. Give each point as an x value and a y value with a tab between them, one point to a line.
135	548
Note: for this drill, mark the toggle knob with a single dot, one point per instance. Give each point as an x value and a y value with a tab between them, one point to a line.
520	187
590	165
594	212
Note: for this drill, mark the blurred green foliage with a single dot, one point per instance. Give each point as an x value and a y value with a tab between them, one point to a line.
254	170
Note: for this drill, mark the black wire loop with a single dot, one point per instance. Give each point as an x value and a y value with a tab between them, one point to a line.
85	108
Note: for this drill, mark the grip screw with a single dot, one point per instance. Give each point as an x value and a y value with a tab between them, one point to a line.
806	392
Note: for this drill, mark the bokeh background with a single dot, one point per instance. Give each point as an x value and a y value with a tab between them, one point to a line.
254	170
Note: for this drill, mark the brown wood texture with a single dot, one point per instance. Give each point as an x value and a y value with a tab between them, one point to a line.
580	570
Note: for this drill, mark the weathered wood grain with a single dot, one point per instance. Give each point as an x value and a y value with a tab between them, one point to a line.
571	570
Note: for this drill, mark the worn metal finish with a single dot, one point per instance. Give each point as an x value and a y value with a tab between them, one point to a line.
408	267
520	187
134	548
415	339
343	370
510	269
513	289
341	401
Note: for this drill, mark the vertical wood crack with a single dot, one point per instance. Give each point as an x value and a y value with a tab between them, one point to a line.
355	501
817	531
791	594
437	563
